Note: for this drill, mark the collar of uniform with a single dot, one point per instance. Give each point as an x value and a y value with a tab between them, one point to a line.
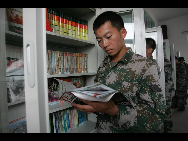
151	58
126	57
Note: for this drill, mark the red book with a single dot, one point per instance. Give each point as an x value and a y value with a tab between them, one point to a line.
48	28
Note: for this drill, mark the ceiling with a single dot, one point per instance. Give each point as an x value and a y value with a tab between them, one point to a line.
163	14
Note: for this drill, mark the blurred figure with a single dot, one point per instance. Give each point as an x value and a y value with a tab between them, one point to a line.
169	93
181	84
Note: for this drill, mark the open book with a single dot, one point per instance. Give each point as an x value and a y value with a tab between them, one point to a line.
95	92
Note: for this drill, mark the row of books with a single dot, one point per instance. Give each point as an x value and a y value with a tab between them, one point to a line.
65	24
66	62
65	120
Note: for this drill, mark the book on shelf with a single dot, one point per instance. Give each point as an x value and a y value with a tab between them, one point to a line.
65	24
15	20
65	120
94	92
15	80
18	126
66	62
58	86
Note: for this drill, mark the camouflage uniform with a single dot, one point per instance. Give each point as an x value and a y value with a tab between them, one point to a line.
186	68
140	102
169	93
155	63
181	85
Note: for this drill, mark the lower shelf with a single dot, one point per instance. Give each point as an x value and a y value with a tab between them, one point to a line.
87	127
69	75
58	107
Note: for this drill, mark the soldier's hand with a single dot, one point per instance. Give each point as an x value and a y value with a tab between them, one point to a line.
77	84
93	106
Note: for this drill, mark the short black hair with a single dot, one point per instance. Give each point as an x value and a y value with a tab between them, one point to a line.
150	43
113	17
181	59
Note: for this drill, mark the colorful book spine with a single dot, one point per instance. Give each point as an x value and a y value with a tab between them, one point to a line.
66	62
65	24
65	120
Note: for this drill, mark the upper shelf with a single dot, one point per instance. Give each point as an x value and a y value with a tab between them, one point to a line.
14	38
58	39
52	39
77	12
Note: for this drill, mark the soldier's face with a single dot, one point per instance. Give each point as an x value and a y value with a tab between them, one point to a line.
110	39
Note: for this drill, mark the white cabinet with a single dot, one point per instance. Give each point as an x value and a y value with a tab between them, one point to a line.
37	110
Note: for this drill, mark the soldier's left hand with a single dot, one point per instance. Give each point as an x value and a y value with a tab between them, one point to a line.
93	106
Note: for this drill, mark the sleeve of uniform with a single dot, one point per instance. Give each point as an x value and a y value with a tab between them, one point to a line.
153	91
169	84
148	109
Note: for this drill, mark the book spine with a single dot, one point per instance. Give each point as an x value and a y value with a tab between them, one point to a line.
86	63
62	63
65	120
56	62
66	62
47	62
61	26
69	62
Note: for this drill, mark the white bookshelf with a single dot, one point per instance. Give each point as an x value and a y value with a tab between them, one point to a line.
72	75
58	39
86	127
67	43
57	107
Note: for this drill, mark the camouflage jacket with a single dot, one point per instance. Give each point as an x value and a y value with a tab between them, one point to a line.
169	84
181	77
155	63
139	99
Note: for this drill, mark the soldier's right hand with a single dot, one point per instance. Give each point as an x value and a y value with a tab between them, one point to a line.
77	84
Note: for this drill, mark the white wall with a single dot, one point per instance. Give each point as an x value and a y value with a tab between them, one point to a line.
175	27
152	16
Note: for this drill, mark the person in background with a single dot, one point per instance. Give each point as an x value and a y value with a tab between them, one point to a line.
169	85
174	98
169	93
139	105
181	84
150	47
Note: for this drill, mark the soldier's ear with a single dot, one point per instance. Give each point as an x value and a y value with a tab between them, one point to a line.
123	32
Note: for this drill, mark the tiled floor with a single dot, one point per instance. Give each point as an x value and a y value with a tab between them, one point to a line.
180	120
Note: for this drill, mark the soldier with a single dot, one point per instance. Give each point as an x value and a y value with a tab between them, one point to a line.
186	68
169	90
181	84
169	93
139	104
174	98
150	47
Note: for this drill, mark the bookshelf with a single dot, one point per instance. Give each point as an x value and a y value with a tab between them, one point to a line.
71	75
46	40
56	39
66	43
